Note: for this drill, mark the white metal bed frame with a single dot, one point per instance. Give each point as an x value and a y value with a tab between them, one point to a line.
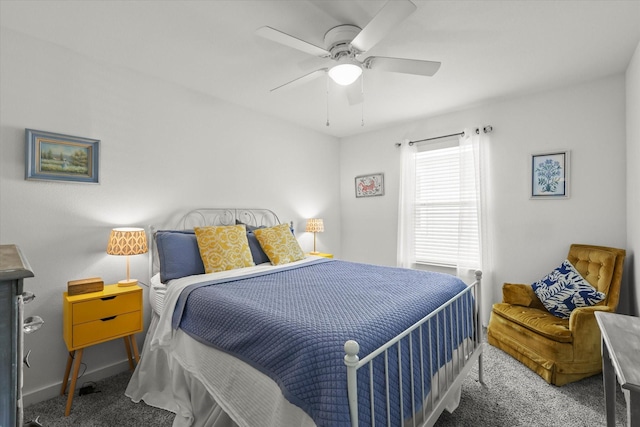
441	390
455	372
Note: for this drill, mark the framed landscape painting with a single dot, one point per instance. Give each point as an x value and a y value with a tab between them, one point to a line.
550	175
56	157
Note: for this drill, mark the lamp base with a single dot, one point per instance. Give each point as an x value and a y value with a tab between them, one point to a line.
124	283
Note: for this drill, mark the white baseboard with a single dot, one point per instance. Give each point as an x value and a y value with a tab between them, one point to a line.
53	390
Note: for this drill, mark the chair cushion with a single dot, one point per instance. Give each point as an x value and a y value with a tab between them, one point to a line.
564	289
536	320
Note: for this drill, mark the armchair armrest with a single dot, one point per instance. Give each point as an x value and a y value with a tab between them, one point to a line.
520	294
585	330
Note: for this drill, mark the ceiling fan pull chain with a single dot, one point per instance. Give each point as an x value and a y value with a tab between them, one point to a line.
327	81
362	105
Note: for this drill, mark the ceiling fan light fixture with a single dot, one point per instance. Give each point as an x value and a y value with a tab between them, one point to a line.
346	72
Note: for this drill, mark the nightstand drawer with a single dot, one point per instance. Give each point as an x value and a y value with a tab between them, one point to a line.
100	308
105	329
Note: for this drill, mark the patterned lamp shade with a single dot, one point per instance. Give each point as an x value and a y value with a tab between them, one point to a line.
127	241
314	225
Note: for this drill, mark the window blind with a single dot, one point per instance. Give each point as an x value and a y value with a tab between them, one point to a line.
446	217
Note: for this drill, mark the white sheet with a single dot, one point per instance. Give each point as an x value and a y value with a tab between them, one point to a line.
205	387
181	375
157	294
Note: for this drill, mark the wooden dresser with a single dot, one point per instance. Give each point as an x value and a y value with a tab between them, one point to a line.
14	268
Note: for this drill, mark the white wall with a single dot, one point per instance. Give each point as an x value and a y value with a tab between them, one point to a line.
528	237
633	180
164	150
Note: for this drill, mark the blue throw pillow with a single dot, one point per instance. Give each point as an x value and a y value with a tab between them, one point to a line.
178	253
564	289
258	254
259	257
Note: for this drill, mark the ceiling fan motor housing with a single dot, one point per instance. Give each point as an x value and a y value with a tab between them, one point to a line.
338	41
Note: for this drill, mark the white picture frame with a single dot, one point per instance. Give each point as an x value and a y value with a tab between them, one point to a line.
369	185
550	175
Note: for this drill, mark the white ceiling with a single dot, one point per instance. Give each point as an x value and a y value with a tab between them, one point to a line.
489	50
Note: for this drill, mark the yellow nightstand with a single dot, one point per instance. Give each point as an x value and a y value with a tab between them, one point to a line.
322	254
97	317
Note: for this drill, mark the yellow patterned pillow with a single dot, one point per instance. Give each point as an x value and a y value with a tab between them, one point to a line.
223	247
279	244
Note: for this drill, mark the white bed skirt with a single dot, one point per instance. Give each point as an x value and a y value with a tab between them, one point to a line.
206	387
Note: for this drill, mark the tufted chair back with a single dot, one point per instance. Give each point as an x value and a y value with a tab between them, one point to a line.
602	267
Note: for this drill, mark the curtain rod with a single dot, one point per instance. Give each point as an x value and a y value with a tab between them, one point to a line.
437	137
485	129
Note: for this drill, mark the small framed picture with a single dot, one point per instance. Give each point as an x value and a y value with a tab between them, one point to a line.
56	157
550	175
370	185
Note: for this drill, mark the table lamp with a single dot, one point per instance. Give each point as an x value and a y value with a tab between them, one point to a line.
127	241
314	225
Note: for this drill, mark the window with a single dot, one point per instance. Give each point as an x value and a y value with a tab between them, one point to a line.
446	212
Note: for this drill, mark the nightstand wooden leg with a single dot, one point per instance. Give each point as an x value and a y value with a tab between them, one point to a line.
74	379
66	372
134	343
127	345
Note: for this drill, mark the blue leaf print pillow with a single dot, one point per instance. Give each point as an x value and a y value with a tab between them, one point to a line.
564	289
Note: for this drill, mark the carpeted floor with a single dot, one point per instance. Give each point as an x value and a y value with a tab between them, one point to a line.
512	396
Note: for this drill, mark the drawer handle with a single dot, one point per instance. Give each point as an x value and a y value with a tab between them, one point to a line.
108	318
108	298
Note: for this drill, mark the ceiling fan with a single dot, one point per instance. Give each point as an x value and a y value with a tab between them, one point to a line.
345	44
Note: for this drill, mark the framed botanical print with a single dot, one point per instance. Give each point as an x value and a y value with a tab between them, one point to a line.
550	175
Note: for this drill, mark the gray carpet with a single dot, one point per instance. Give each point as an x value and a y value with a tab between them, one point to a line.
512	396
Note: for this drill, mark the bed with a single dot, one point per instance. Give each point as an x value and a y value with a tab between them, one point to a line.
311	342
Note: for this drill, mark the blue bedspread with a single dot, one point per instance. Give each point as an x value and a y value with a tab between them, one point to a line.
292	325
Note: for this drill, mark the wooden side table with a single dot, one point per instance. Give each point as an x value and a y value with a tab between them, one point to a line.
97	317
620	358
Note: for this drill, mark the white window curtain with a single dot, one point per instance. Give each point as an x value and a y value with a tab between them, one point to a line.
406	213
470	254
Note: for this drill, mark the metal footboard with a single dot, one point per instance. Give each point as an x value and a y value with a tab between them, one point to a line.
460	321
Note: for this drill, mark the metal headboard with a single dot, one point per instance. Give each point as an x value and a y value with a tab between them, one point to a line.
212	216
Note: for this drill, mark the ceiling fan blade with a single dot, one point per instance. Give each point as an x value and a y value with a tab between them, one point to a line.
290	41
300	80
401	65
391	14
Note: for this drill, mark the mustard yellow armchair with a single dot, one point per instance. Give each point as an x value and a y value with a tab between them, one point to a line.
559	350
